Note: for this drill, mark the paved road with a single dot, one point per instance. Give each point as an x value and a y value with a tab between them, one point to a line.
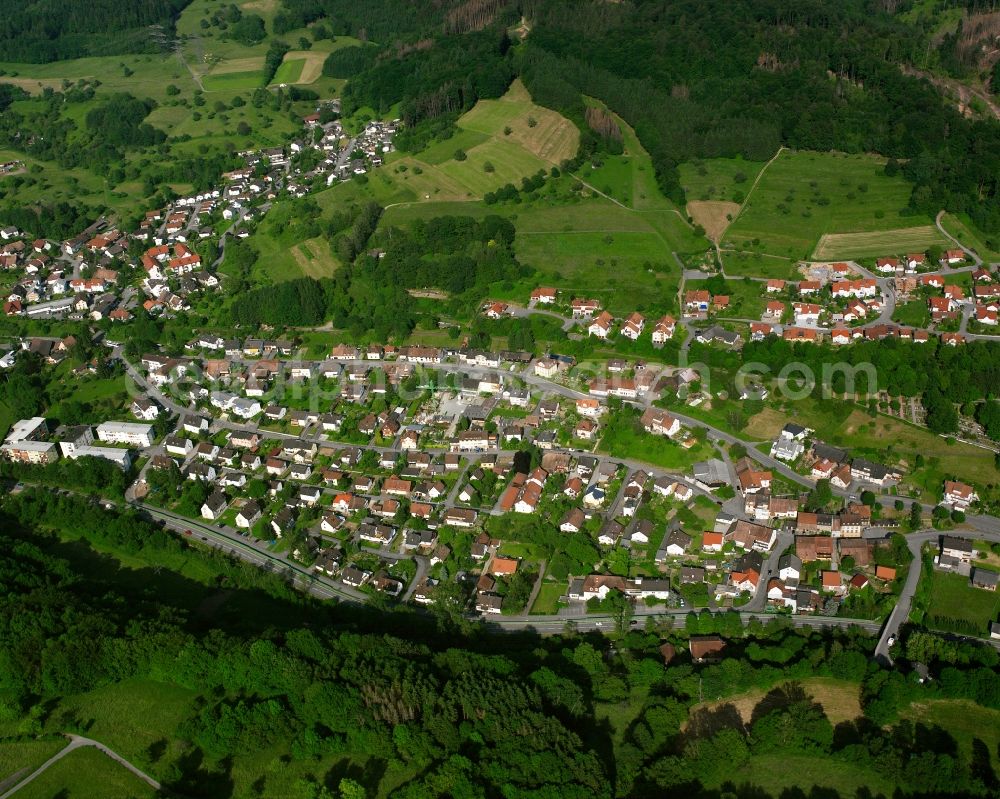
548	625
970	253
783	541
518	312
899	615
985	526
79	742
552	388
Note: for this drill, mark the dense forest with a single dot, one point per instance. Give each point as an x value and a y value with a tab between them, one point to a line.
712	78
695	78
432	699
36	31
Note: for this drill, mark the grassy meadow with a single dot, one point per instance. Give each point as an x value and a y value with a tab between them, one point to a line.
86	773
801	196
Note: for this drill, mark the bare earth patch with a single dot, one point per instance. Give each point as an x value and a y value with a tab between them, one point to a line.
260	5
712	215
428	294
765	425
840	701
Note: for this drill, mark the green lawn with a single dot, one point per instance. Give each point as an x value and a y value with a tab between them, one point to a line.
953	597
913	313
624	441
961	227
445	150
614	177
872	437
780	772
803	195
746	298
130	716
86	774
758	264
7	418
232	81
546	603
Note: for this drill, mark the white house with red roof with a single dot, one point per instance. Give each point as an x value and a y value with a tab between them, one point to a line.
633	326
601	326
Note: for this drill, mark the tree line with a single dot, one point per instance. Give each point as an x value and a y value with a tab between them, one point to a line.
435	700
38	31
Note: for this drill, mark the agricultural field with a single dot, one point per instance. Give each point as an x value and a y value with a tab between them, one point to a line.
571	234
290	71
541	131
488	156
843	246
802	196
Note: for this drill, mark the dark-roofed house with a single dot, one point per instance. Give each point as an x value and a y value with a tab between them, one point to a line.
985	579
692	574
954	547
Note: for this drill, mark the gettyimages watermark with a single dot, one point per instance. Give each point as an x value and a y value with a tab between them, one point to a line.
243	388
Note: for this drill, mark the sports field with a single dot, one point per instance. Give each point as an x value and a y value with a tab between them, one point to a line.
803	196
876	243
